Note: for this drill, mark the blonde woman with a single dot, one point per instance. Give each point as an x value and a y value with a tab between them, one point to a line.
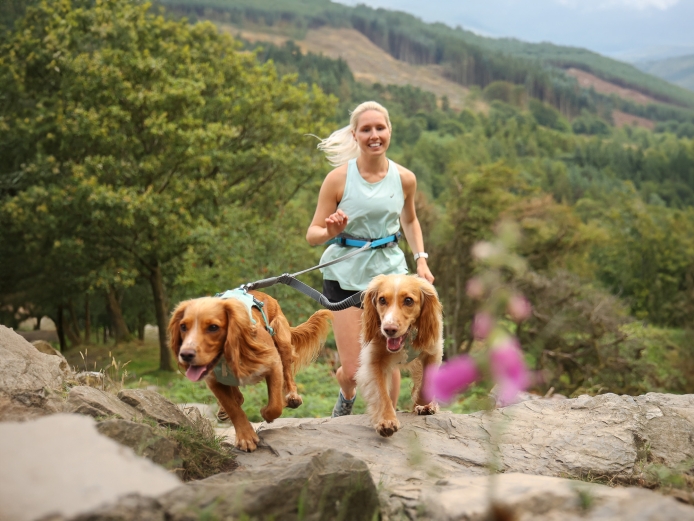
367	196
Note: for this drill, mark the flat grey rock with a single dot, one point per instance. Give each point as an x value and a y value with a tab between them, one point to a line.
60	465
90	401
153	405
588	436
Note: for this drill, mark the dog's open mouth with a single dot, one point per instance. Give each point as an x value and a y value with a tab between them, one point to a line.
394	344
195	373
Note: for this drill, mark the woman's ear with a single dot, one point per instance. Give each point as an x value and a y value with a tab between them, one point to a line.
370	320
174	328
430	322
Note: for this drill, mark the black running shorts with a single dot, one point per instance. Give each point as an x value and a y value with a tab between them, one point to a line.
334	292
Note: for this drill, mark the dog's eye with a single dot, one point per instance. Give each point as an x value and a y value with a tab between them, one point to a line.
183	327
409	301
382	301
213	328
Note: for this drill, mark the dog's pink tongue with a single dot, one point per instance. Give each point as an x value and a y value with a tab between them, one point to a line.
195	372
395	343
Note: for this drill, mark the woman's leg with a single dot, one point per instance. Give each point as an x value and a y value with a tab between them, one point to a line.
347	328
395	388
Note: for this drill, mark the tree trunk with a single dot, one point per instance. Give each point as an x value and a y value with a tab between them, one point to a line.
161	311
60	329
141	323
72	328
120	328
87	321
37	327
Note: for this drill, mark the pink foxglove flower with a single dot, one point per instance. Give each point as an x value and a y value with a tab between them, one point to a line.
443	383
519	308
474	288
508	370
482	325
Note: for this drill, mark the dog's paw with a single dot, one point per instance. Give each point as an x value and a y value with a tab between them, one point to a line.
293	400
387	428
247	443
428	409
270	414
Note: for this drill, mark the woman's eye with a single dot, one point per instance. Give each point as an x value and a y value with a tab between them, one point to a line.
409	301
213	328
183	327
382	301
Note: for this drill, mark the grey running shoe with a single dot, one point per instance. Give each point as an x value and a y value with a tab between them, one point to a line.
343	407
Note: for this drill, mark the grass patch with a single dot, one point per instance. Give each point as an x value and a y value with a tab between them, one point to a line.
203	454
136	365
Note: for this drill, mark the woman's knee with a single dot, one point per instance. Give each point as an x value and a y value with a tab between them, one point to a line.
349	371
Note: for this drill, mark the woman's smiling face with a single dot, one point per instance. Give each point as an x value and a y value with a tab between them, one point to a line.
372	133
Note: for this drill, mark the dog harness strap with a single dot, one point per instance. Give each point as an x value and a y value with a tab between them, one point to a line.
249	301
224	374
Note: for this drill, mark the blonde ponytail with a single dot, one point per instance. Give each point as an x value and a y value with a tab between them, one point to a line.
341	146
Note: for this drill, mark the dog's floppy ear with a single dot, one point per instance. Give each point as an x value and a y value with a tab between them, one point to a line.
430	322
174	328
232	343
370	320
244	351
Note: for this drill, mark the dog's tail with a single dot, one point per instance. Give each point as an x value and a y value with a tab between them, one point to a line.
308	338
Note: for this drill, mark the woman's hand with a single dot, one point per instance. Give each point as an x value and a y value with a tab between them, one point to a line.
336	223
423	270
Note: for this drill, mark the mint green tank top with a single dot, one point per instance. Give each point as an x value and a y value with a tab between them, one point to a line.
374	211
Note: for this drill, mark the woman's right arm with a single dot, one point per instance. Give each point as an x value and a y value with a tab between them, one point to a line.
328	221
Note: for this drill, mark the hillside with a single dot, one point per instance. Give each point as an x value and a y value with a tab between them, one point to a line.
679	70
464	57
368	63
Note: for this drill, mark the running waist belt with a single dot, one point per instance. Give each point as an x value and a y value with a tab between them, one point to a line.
356	242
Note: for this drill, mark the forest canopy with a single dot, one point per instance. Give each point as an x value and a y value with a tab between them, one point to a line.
147	159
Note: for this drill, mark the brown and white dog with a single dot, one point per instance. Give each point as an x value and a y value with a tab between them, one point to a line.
397	307
203	330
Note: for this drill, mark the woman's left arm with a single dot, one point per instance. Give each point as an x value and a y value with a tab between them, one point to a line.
410	223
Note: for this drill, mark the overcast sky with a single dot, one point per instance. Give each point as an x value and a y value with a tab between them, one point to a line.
624	29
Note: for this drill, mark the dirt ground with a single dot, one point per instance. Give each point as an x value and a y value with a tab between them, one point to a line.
587	81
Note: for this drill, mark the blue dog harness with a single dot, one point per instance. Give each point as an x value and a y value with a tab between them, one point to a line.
222	371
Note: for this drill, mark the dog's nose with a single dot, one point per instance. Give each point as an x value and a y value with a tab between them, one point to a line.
390	330
187	355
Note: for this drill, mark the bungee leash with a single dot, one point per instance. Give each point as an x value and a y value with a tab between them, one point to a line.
342	240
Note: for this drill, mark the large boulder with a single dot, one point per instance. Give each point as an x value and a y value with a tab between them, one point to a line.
311	487
99	404
146	441
24	368
61	466
542	498
607	436
47	349
30	381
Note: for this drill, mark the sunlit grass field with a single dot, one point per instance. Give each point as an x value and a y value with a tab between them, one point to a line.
136	365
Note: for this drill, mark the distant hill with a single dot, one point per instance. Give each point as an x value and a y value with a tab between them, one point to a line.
678	70
468	58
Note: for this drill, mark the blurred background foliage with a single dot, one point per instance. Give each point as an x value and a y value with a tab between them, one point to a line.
147	159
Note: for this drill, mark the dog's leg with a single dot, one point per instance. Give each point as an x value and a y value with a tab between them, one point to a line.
417	369
275	403
283	341
231	399
373	380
